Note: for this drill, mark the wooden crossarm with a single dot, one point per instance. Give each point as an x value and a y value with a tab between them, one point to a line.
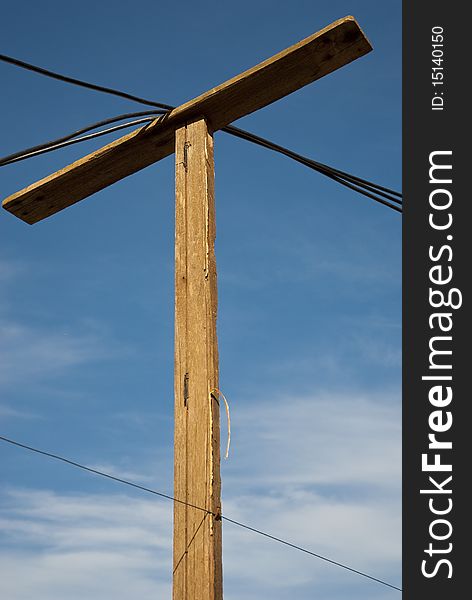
323	52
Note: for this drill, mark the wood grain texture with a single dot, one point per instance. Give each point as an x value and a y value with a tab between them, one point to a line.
197	535
314	57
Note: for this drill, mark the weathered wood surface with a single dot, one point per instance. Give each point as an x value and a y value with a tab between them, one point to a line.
197	535
314	57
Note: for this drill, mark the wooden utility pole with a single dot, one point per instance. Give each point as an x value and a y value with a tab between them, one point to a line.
187	131
197	534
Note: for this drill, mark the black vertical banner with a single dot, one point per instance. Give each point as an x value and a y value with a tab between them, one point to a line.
437	267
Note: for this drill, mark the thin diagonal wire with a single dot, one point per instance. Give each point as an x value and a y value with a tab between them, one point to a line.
189	543
91	86
70	142
69	136
208	512
101	473
334	562
256	139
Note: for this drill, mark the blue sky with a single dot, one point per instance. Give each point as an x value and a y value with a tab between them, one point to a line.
309	310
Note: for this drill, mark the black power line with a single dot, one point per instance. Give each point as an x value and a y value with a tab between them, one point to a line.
372	190
334	562
363	186
96	472
53	144
206	511
91	86
272	146
44	148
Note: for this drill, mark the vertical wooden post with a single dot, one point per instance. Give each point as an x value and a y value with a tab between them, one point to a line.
197	535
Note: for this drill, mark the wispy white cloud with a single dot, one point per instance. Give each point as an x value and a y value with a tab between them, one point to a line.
84	546
337	361
358	534
6	412
308	261
324	439
28	352
378	351
142	418
10	269
32	350
132	475
322	471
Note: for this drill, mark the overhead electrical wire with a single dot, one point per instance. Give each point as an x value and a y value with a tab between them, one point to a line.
362	186
381	194
75	140
205	510
334	562
272	146
73	463
91	86
53	144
